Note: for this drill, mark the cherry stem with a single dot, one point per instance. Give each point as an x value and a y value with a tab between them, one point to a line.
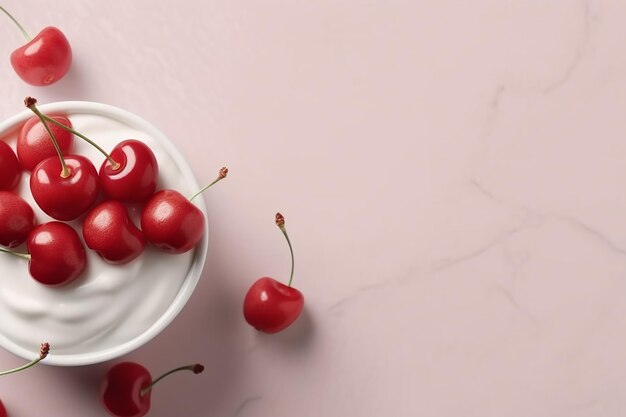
222	174
44	349
114	165
31	102
195	368
21	255
26	35
280	222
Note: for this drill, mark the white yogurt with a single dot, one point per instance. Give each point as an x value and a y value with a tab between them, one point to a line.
110	309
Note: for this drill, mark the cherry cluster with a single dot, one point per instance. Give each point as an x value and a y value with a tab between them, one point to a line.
67	186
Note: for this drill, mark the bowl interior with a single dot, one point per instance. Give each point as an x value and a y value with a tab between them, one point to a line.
94	355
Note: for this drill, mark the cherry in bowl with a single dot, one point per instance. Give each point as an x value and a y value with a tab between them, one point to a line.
34	143
17	219
10	168
173	276
171	222
108	230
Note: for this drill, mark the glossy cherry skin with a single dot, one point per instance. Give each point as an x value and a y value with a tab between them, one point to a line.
10	169
34	143
108	230
17	219
3	411
65	198
120	393
57	255
271	306
171	222
45	59
136	178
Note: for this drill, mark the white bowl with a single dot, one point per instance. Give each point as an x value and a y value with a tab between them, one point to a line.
91	351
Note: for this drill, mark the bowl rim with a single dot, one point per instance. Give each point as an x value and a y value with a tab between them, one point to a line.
10	125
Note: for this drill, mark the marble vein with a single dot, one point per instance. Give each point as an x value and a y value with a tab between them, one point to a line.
442	264
338	305
245	405
494	107
599	236
579	53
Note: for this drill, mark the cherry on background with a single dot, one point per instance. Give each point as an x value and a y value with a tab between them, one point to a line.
271	306
17	219
34	143
10	169
44	59
127	388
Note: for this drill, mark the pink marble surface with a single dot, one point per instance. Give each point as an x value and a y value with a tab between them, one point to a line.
452	174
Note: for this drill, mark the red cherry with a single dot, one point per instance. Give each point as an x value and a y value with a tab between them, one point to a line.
34	144
44	59
10	169
16	219
57	255
133	178
172	222
108	230
129	174
65	198
127	388
269	305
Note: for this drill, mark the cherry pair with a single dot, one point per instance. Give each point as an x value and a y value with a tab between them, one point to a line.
55	253
169	220
66	186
